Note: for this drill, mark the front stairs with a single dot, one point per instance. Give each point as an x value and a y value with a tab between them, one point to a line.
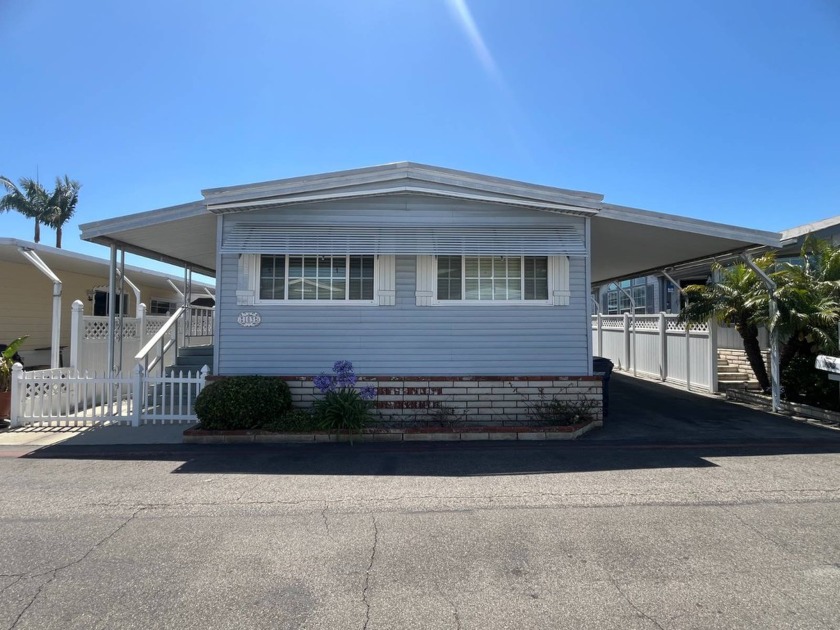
733	376
174	398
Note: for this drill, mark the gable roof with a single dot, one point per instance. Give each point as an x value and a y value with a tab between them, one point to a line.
624	241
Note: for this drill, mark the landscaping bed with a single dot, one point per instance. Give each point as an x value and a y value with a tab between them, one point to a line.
197	435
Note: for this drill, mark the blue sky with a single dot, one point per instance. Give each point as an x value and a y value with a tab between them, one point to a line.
722	110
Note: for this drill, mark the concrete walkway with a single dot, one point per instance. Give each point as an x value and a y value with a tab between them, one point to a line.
34	437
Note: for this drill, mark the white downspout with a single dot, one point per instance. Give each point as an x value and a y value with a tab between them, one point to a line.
55	342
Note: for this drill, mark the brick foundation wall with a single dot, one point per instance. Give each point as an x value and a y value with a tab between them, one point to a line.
469	400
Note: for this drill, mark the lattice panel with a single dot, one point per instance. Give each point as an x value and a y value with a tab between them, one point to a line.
647	323
674	324
612	322
96	329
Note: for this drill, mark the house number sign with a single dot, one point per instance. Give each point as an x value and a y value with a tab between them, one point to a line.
249	320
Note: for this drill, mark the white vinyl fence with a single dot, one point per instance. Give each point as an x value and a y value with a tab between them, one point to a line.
89	339
660	347
68	397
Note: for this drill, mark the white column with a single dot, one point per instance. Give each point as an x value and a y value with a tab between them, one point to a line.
713	356
626	341
141	326
663	347
77	333
17	394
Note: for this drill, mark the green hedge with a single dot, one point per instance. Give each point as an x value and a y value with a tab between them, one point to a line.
243	402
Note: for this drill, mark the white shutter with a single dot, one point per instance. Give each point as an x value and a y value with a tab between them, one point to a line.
425	280
560	280
387	280
246	282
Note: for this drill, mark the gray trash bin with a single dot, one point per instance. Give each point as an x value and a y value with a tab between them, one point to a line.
604	367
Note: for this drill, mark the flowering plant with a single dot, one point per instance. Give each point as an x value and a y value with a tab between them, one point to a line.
343	405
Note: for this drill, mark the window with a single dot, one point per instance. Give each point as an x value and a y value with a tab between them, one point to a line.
101	304
162	307
492	278
619	302
297	279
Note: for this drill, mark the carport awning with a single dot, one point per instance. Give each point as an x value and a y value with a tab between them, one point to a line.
256	238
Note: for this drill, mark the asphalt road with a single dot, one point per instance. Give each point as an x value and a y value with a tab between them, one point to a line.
618	531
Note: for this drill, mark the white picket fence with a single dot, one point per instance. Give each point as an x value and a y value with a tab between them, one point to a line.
68	397
659	346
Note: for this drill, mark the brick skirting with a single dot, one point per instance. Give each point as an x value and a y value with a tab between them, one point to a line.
462	400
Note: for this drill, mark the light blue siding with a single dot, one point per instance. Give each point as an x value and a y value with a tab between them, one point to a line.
406	339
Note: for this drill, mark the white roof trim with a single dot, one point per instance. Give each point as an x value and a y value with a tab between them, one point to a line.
141	219
402	170
685	224
403	189
810	228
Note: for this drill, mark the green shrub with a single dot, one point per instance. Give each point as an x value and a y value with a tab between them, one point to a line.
343	409
243	402
294	421
804	383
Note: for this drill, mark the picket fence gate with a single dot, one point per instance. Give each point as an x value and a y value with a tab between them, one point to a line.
66	397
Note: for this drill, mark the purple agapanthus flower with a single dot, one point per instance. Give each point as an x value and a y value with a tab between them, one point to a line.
324	382
367	393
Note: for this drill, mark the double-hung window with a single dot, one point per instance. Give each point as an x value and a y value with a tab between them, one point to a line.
300	279
508	279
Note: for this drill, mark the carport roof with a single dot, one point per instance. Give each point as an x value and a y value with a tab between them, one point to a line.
625	241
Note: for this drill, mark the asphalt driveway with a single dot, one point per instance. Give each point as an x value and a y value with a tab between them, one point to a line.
646	412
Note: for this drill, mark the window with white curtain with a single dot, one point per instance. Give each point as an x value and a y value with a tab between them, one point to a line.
492	278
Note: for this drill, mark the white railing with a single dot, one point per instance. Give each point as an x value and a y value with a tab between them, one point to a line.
198	325
660	346
154	352
67	397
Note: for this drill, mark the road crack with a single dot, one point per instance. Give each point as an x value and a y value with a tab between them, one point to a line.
627	599
53	573
367	573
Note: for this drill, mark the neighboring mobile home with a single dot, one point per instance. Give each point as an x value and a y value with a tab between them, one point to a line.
29	294
431	281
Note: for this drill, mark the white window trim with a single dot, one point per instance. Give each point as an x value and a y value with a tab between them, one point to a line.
255	283
495	303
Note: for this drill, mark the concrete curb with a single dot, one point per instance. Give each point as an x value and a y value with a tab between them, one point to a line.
200	436
796	409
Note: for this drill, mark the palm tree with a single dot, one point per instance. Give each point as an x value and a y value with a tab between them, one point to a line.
31	200
735	298
809	300
62	205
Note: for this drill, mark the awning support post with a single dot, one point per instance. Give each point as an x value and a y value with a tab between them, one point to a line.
633	306
55	338
775	387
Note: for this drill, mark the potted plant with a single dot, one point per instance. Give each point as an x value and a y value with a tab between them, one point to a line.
7	361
